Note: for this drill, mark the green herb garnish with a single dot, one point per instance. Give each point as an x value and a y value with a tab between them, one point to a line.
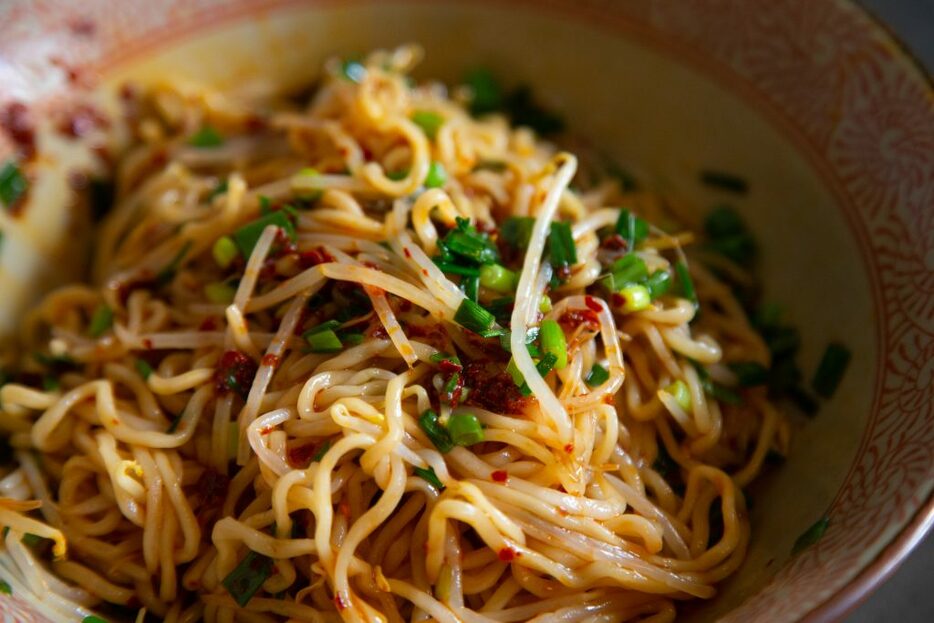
101	321
597	376
13	184
830	371
207	136
248	576
811	536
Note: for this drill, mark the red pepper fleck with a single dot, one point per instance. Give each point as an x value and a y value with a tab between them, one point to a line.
339	602
147	343
300	457
424	272
15	119
569	448
271	360
614	242
82	26
508	554
449	367
573	318
592	303
208	324
499	475
408	253
307	259
266	430
618	299
235	371
344	509
609	399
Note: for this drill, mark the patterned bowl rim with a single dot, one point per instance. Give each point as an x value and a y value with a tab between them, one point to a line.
892	549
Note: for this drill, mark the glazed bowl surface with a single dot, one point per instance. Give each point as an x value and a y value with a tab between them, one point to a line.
813	103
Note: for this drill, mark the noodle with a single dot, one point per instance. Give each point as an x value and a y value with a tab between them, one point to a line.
321	387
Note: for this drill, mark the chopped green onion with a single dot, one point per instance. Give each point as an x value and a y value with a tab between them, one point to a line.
456	269
166	275
680	392
437	175
50	383
31	539
12	184
329	325
323	341
93	619
512	368
729	236
397	175
224	251
687	284
321	451
546	364
429	121
715	390
429	476
220	189
474	318
248	576
501	309
724	181
658	283
627	270
561	244
523	110
144	369
598	375
498	278
465	429
517	230
750	373
101	320
351	339
465	241
247	236
722	222
830	371
486	96
353	71
471	287
635	298
544	305
5	588
811	536
437	434
531	335
219	293
632	228
207	136
173	425
553	342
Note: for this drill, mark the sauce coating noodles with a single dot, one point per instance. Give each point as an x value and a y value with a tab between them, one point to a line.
332	366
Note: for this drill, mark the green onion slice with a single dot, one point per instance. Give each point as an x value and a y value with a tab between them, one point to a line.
429	476
553	342
247	577
101	320
437	175
145	370
474	318
811	536
437	434
830	371
498	278
465	429
561	244
207	136
13	184
687	284
325	341
225	251
597	376
247	236
429	121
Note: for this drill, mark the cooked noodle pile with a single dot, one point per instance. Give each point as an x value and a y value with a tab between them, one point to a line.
376	359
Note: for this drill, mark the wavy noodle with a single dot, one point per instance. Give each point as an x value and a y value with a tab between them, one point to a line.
195	435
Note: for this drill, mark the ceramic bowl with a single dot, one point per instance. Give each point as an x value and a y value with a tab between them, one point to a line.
814	103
